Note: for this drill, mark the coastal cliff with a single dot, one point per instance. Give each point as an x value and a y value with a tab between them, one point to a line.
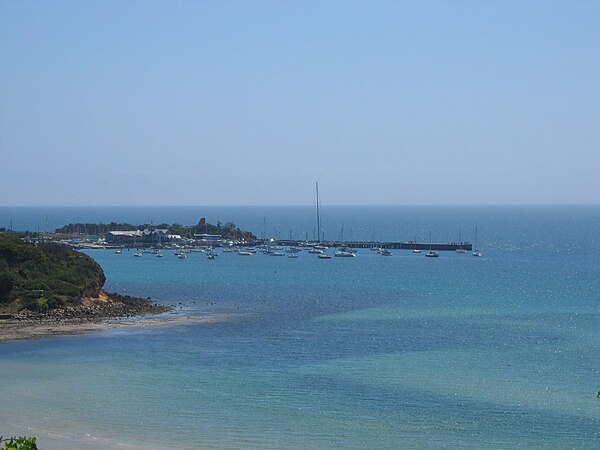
52	281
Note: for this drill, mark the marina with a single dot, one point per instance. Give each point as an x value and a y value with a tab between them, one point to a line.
294	246
311	246
486	353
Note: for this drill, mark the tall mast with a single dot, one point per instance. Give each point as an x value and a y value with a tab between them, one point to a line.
318	216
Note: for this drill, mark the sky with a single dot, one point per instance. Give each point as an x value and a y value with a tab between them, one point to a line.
251	102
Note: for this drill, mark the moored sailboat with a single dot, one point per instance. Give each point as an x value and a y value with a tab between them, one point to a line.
343	251
431	253
319	249
476	251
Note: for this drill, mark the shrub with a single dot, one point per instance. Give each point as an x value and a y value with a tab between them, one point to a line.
42	304
18	443
7	282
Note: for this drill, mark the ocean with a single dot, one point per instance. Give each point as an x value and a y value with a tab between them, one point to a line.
367	352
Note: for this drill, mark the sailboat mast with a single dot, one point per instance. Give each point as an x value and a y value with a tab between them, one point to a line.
318	216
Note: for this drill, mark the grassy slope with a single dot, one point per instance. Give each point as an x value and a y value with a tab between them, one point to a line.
44	277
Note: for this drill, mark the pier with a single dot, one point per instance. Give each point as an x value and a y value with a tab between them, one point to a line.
409	245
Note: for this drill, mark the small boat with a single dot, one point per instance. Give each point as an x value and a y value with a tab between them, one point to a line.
244	253
324	256
292	255
343	251
159	254
477	253
138	254
385	252
316	251
431	253
118	252
416	250
210	255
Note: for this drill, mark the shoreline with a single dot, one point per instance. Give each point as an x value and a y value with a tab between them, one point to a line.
114	311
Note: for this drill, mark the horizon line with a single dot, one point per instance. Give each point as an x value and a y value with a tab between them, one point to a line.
258	205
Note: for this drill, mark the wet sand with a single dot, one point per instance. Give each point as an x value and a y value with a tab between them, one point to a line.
13	329
115	311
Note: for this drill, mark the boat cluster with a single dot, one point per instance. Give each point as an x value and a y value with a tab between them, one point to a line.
382	251
321	251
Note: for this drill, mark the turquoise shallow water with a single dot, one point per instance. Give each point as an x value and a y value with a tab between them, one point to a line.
368	352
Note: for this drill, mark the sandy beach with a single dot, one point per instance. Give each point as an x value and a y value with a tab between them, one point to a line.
11	330
116	312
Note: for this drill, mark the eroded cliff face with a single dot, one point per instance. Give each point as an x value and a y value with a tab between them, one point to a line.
94	287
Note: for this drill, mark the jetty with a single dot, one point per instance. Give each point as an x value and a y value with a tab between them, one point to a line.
406	245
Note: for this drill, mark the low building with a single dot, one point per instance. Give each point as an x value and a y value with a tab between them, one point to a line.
146	237
124	237
208	238
156	237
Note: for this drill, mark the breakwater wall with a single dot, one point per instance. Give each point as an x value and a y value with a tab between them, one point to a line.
410	245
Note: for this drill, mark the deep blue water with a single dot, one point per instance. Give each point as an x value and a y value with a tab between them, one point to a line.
366	352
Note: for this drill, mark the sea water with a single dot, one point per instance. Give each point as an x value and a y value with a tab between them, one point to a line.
367	352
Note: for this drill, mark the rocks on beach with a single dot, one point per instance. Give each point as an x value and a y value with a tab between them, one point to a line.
72	319
115	306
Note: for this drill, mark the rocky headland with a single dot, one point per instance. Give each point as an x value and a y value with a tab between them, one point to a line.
46	290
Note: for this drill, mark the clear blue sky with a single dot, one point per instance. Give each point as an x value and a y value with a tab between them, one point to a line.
251	102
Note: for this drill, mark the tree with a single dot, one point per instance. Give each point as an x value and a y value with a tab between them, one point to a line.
7	281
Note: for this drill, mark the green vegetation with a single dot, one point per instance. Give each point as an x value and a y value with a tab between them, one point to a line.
228	230
18	443
44	276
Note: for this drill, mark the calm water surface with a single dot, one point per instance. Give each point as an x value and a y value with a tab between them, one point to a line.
366	352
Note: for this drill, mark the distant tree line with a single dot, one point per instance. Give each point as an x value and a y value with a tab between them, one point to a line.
228	230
